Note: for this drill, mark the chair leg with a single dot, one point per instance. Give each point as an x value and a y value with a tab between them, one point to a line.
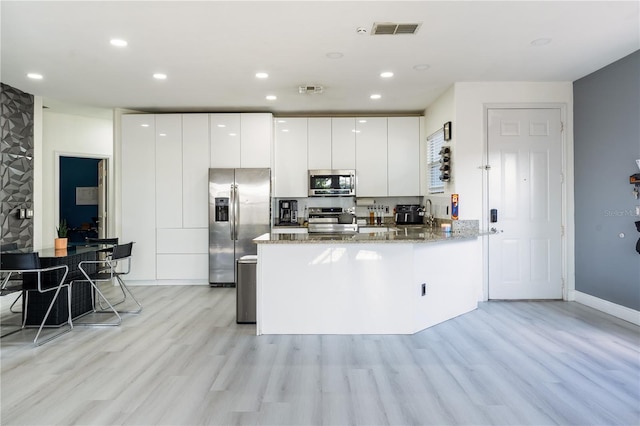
125	289
111	308
69	321
20	326
14	302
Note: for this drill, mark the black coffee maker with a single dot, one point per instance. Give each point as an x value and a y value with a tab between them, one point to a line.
287	212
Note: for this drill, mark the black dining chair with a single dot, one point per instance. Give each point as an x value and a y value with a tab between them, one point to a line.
15	284
106	270
36	279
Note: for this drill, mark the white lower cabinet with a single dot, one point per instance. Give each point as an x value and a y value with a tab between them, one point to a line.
194	267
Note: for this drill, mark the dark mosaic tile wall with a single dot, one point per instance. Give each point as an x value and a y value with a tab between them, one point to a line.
16	168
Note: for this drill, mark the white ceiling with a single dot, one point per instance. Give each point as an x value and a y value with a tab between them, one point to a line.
211	50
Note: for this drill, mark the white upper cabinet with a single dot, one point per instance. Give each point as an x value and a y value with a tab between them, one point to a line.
343	143
319	143
168	186
256	130
195	170
371	156
404	156
241	140
290	148
225	140
138	192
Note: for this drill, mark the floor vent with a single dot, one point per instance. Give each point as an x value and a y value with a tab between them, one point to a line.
389	28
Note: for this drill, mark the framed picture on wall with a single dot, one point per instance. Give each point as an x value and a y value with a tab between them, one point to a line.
86	195
447	130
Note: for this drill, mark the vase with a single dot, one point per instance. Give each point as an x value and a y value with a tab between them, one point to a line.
60	243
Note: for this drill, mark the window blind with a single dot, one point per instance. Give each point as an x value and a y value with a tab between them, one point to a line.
434	144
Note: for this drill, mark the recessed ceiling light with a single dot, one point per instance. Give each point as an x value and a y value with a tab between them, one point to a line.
35	76
421	67
144	125
160	76
271	97
222	125
285	130
375	96
282	121
163	134
541	41
362	121
262	75
386	74
335	55
232	134
118	42
355	131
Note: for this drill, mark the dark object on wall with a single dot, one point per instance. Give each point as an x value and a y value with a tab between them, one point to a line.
638	243
445	164
447	131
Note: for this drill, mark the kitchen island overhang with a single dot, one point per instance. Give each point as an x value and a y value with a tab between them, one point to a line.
399	282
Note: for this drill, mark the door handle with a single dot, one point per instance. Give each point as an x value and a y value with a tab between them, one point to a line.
232	214
236	211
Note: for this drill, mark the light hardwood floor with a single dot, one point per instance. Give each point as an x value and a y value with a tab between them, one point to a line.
184	361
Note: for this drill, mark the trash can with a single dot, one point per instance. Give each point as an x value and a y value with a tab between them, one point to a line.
246	289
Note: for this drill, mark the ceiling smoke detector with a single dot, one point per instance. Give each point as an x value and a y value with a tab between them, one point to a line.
310	89
390	28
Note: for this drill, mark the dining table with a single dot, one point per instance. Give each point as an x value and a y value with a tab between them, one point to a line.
81	290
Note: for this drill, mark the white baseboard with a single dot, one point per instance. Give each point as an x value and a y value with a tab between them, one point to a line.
622	312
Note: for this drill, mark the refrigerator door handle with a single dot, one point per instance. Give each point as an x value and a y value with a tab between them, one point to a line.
236	211
232	215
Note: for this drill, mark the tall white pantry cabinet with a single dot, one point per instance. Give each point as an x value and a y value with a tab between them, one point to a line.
165	165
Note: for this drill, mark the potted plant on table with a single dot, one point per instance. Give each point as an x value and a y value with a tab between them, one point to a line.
61	241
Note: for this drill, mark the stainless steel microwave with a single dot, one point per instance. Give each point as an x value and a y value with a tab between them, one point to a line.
332	183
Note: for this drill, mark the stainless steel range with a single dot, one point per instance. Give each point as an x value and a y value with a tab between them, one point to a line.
331	220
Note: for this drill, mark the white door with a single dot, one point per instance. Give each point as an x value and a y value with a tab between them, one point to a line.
525	189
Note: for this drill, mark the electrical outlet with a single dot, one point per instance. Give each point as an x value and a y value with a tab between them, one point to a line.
424	289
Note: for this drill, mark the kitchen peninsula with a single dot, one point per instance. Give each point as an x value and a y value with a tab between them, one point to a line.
397	282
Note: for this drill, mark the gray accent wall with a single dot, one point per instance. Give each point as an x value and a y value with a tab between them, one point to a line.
606	145
16	166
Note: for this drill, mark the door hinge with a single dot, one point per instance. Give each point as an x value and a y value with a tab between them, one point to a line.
562	230
562	283
561	126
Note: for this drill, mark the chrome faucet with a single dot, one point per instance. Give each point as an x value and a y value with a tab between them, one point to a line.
430	219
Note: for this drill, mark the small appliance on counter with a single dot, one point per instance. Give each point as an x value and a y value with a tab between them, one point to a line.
331	220
409	214
287	213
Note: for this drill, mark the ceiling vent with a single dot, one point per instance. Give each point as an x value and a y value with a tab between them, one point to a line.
310	89
389	28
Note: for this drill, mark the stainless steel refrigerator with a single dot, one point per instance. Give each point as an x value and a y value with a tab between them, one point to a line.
239	211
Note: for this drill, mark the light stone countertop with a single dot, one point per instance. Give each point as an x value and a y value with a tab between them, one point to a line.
410	234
